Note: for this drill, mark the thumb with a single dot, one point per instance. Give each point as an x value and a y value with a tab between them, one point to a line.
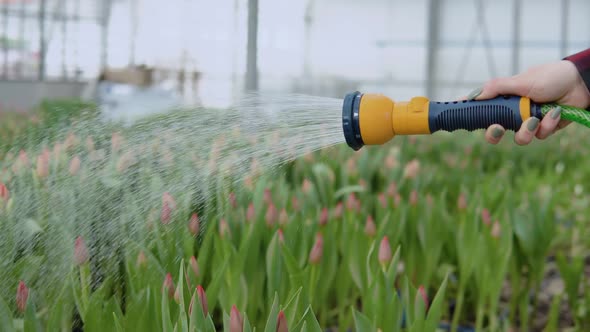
513	85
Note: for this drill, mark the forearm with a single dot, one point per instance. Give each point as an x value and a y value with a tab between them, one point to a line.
582	62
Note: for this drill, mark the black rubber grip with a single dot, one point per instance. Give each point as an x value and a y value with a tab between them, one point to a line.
474	115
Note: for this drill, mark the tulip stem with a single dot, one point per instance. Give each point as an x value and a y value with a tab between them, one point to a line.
85	284
458	307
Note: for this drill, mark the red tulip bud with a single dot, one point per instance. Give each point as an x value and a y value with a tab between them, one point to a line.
370	228
486	217
177	294
168	286
4	193
283	217
223	228
75	165
338	210
194	266
80	252
315	255
496	230
352	203
193	224
282	322
422	293
250	214
22	294
324	217
271	215
236	323
385	251
141	260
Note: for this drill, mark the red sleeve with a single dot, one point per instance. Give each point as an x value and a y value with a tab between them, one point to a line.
582	61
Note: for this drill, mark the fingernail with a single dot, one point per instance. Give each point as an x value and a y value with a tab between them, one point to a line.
556	113
474	94
532	124
497	132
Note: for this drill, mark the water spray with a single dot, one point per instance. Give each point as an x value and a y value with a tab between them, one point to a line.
374	119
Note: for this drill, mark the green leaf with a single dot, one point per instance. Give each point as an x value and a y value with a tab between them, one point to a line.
271	322
166	320
362	322
5	317
308	322
347	190
118	326
435	310
31	321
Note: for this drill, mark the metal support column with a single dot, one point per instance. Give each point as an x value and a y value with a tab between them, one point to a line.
517	6
563	41
252	49
42	39
432	47
104	38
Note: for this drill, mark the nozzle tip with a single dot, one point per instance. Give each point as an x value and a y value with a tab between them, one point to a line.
350	120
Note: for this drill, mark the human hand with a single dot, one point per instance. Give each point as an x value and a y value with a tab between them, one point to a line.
557	82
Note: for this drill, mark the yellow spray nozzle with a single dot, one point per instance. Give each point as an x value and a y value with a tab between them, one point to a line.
374	119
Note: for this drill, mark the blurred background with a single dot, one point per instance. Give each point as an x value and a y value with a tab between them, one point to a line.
208	52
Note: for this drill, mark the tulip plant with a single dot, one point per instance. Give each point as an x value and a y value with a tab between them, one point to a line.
101	232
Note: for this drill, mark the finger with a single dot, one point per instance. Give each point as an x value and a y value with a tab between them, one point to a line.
549	123
527	131
494	134
514	85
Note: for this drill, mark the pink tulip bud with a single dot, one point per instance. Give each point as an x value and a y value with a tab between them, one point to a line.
352	203
125	161
116	142
57	148
390	162
385	251
70	141
414	197
43	164
75	165
392	189
80	252
168	286
223	228
271	215
4	193
236	323
422	293
166	197
193	225
370	228
282	322
202	299
306	186
267	196
22	294
412	169
383	200
250	214
462	202
315	255
324	217
283	217
295	204
194	266
89	144
141	260
177	294
232	200
165	214
338	210
398	199
23	159
496	230
281	236
486	217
